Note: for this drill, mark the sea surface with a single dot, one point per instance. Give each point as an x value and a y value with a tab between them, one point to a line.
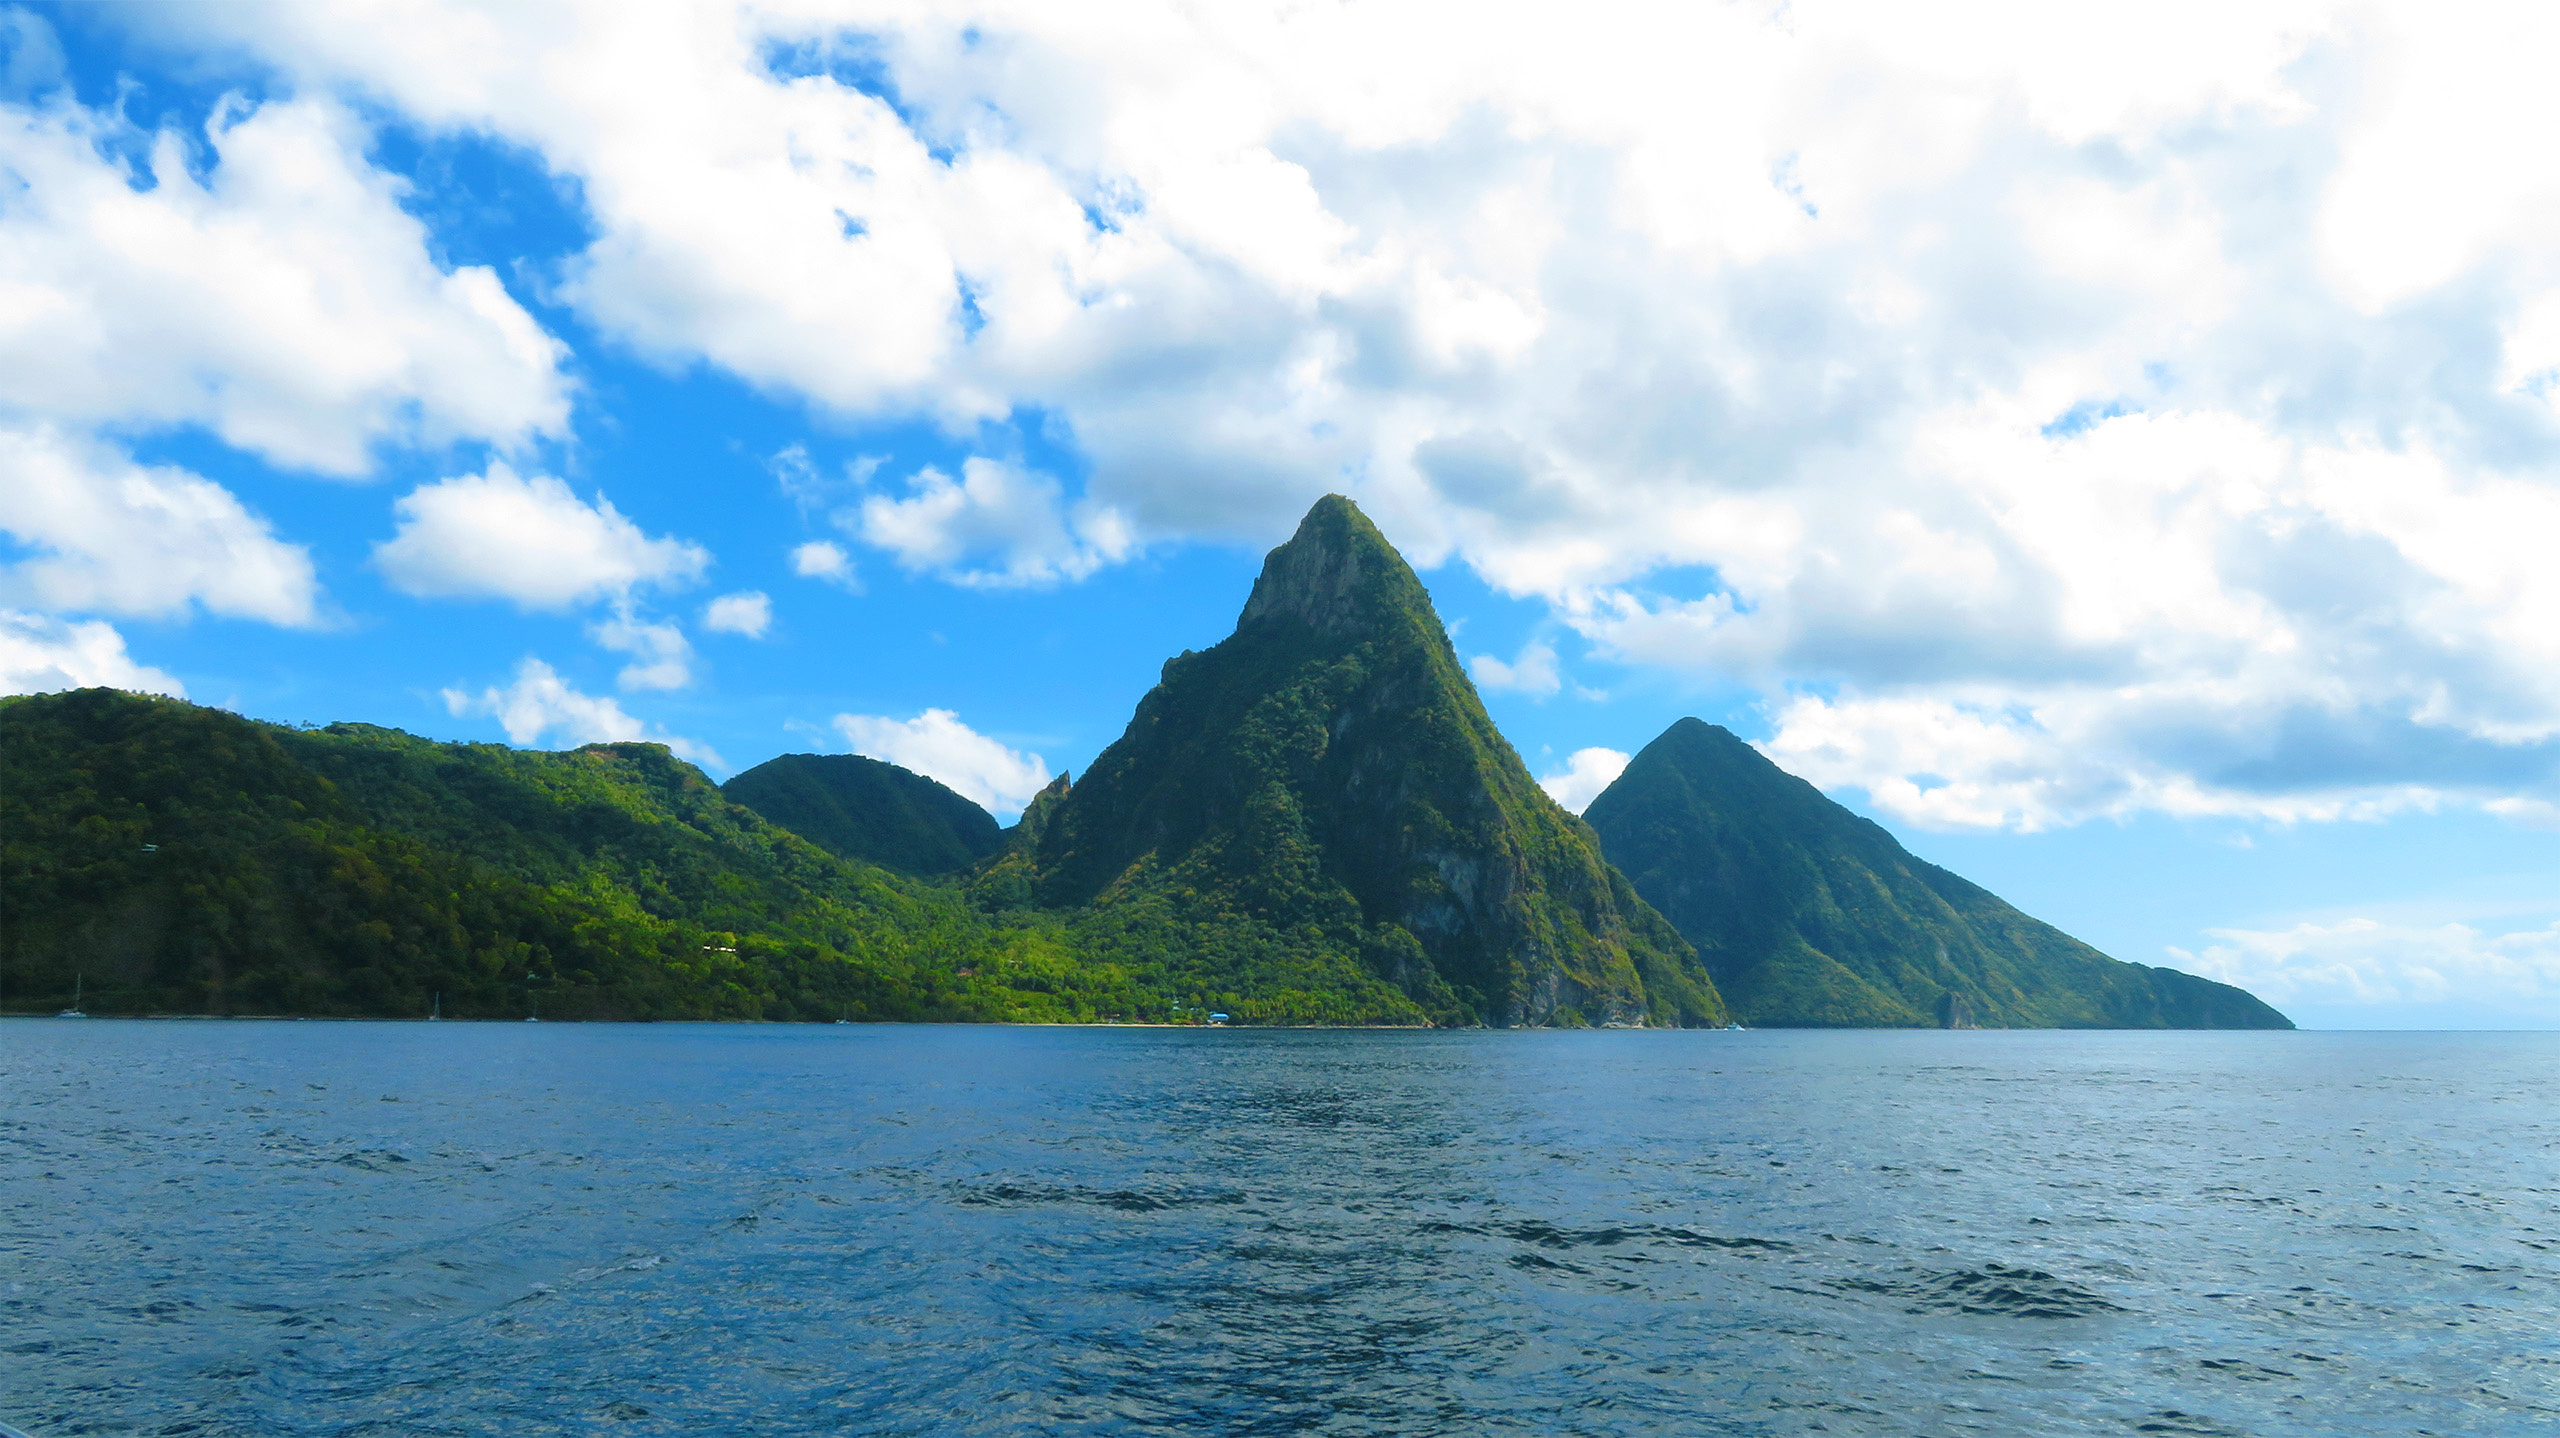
267	1228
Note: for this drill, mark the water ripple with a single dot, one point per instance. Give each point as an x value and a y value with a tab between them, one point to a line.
284	1230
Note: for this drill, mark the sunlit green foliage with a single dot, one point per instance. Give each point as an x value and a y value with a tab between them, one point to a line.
1313	822
357	870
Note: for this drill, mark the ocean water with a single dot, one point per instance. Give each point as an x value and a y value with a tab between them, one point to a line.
392	1229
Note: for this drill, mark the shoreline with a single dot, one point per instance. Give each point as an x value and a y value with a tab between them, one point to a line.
6	1014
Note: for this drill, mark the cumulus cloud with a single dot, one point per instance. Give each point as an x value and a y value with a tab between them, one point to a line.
539	706
824	559
280	297
2054	413
112	536
937	745
40	654
529	540
1583	777
810	489
1533	672
661	657
749	612
2390	971
996	526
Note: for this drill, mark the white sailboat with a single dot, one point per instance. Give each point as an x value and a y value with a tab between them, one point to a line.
73	1012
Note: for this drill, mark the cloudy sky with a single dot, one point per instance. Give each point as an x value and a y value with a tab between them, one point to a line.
2115	448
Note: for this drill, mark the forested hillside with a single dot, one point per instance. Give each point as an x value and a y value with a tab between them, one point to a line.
862	808
1810	916
1323	796
181	859
1313	821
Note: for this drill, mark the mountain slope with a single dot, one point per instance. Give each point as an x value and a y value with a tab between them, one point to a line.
859	808
1324	793
1810	916
357	870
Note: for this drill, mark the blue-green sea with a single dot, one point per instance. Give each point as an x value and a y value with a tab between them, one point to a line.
289	1229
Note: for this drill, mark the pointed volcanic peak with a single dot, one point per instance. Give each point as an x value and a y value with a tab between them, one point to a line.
1810	916
861	808
1321	800
1338	577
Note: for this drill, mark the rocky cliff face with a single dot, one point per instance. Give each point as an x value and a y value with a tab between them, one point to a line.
1809	915
1329	771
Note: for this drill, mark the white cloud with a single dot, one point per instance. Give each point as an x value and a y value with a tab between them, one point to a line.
40	654
1583	777
2054	412
936	744
35	58
825	560
808	488
996	526
540	706
2175	611
2002	762
282	298
748	612
662	658
2416	196
112	536
529	540
2531	813
1533	672
2391	972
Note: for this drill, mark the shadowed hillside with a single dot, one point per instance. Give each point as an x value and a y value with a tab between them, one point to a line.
1810	916
859	808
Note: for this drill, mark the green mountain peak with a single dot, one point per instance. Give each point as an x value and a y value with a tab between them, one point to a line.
1338	576
1809	915
1322	800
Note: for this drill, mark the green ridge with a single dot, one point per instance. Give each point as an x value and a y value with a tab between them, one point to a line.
1320	804
357	870
1810	916
859	808
1315	821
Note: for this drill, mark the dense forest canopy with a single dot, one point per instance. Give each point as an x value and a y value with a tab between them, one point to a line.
1810	916
187	860
862	808
1328	777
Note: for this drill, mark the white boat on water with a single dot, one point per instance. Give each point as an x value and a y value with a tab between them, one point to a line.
73	1012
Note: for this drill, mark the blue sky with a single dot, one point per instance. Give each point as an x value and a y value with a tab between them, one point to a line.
2119	461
